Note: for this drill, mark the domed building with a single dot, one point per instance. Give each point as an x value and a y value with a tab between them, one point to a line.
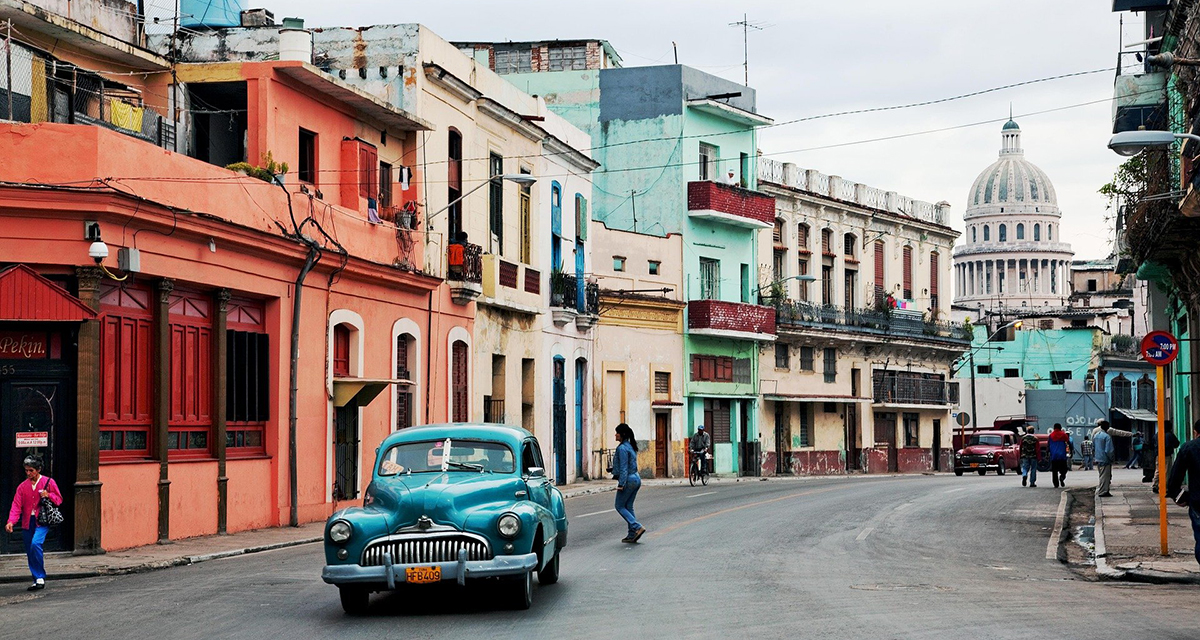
1014	255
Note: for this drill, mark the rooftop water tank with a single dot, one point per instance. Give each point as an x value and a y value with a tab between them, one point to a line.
210	13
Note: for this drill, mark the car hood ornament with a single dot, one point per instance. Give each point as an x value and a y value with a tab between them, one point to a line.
424	523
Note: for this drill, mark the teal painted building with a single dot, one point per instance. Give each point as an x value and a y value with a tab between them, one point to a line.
678	149
1042	358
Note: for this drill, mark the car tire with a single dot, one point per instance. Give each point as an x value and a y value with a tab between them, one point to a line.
983	472
521	591
958	472
1001	470
549	573
355	600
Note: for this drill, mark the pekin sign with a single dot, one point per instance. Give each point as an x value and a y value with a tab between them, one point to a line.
21	345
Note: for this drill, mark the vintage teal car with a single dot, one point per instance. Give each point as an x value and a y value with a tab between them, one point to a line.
449	502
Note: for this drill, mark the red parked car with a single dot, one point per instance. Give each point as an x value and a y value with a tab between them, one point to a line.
988	450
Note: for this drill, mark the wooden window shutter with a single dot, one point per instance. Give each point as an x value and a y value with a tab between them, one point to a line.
933	274
341	351
908	273
368	166
880	286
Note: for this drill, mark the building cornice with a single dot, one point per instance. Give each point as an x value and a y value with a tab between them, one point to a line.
641	312
458	87
818	200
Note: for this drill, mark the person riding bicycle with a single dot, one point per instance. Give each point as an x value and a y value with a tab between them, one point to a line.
699	444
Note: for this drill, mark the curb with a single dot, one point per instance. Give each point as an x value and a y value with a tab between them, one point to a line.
1104	571
1059	535
162	564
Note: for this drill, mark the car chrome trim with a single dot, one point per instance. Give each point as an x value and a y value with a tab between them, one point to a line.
436	528
425	548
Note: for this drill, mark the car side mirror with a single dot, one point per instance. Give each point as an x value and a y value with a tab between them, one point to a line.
535	472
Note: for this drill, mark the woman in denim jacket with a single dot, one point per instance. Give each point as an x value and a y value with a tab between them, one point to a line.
625	471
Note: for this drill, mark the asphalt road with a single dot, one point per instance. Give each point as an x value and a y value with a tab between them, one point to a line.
863	557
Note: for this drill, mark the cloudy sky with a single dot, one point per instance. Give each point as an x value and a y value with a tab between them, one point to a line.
822	57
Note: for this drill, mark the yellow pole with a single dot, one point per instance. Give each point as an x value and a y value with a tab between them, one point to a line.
1162	463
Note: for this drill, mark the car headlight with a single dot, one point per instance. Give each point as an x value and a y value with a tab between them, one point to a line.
340	531
508	525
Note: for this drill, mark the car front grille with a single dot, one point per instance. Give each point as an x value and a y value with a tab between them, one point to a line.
426	549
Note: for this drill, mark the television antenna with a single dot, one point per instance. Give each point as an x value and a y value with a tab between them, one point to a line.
746	26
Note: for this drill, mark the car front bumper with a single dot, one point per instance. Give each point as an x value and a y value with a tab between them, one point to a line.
390	574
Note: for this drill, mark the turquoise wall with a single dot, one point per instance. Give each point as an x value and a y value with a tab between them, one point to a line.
1037	352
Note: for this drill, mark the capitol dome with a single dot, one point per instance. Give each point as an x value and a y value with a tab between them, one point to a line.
1013	254
1012	180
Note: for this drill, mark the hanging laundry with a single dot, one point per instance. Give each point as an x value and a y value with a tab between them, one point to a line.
373	211
124	115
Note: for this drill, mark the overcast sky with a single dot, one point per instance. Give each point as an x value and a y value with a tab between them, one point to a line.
822	57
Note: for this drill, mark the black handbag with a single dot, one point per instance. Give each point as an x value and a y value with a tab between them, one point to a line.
49	515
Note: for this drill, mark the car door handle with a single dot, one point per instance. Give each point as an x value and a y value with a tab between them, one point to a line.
522	494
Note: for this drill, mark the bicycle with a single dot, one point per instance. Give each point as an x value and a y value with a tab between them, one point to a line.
699	470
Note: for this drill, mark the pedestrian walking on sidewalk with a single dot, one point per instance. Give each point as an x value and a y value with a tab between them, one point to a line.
1135	450
1105	456
625	469
1187	463
1029	457
26	508
1060	455
1088	451
1172	445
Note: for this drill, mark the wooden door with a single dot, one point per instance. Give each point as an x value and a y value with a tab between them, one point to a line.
662	443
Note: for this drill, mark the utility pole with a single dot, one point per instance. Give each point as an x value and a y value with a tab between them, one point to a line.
8	65
746	25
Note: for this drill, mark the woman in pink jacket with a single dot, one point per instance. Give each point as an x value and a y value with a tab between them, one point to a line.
25	507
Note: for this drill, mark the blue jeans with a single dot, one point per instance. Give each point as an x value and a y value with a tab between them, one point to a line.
35	537
625	502
1029	468
1195	514
1087	462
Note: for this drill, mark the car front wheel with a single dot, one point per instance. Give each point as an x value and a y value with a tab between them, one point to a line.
983	472
1001	470
958	472
354	600
521	593
549	573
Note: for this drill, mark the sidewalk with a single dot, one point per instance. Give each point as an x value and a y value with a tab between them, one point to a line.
65	566
1127	536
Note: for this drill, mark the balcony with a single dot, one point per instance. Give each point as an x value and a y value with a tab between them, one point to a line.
493	410
904	388
1139	93
731	205
737	320
793	315
511	286
573	299
465	274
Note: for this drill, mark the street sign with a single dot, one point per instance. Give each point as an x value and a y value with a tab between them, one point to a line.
963	418
33	439
1159	348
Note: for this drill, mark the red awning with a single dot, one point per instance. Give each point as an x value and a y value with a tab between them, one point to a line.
25	296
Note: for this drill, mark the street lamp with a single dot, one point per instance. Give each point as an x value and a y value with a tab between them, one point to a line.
523	179
1131	143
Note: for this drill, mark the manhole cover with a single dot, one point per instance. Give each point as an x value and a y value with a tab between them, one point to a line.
899	587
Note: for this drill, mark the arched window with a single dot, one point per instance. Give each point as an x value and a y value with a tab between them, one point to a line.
341	351
404	393
1003	233
1020	231
802	237
848	245
1122	392
1037	232
973	235
987	234
458	381
1145	394
777	232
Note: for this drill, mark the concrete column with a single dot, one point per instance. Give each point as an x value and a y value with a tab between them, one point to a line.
87	417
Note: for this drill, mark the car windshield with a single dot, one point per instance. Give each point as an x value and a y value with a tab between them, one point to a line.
465	455
986	440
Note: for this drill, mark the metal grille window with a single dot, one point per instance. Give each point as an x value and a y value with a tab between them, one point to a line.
912	430
1145	394
782	359
708	162
570	58
1122	392
513	61
710	279
404	395
806	358
496	202
247	404
805	435
830	364
743	371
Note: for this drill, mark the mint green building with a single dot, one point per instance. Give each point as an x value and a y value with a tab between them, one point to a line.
1042	358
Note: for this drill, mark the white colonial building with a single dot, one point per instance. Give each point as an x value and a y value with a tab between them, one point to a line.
1013	256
